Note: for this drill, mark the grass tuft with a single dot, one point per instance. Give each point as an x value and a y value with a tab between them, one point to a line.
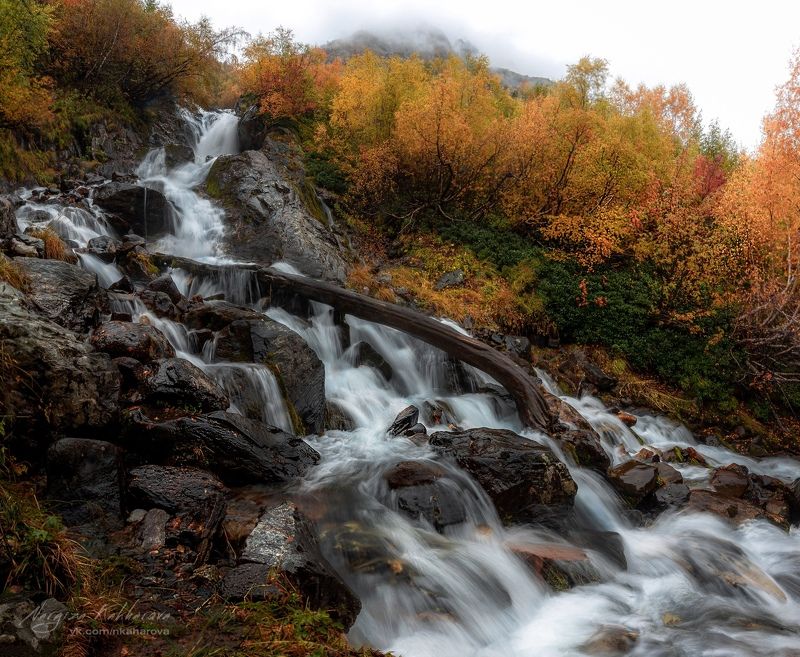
54	246
13	275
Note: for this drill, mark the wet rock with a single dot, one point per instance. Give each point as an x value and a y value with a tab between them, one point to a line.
524	479
52	381
684	455
165	284
363	353
634	480
122	285
144	211
771	494
585	449
421	490
28	629
104	247
65	293
194	499
731	480
672	495
300	371
453	278
160	304
706	501
405	420
140	341
248	581
19	247
177	154
217	315
667	474
176	382
84	479
627	418
268	218
336	419
439	413
238	449
135	264
284	541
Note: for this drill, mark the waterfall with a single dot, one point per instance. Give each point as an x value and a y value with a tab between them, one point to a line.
683	584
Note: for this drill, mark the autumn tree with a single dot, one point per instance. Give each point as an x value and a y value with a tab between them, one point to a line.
289	79
24	94
134	49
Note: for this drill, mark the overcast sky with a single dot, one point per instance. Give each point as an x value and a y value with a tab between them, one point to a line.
732	54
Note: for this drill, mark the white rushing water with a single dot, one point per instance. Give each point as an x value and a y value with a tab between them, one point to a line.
686	584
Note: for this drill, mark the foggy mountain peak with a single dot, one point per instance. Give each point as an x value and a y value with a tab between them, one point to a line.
426	41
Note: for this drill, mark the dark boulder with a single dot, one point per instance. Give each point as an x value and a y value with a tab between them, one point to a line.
159	303
422	490
285	542
65	293
404	422
363	353
585	449
84	479
731	480
176	382
193	498
300	371
104	247
634	480
52	381
238	449
523	478
217	315
143	342
269	218
672	495
177	154
667	474
133	207
165	284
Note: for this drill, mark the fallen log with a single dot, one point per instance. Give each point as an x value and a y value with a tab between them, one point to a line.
526	391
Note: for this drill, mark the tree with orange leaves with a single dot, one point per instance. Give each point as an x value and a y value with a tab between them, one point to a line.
289	79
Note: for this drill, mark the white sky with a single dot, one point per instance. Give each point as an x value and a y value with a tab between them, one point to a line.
731	54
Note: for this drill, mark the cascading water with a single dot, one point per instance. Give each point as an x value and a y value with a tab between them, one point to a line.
686	584
692	584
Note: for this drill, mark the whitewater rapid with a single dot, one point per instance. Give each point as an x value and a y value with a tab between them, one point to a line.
686	584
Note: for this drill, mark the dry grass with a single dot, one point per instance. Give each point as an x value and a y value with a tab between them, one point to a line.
485	296
644	391
35	551
54	246
12	274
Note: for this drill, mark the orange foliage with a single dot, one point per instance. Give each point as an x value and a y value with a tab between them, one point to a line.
289	79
